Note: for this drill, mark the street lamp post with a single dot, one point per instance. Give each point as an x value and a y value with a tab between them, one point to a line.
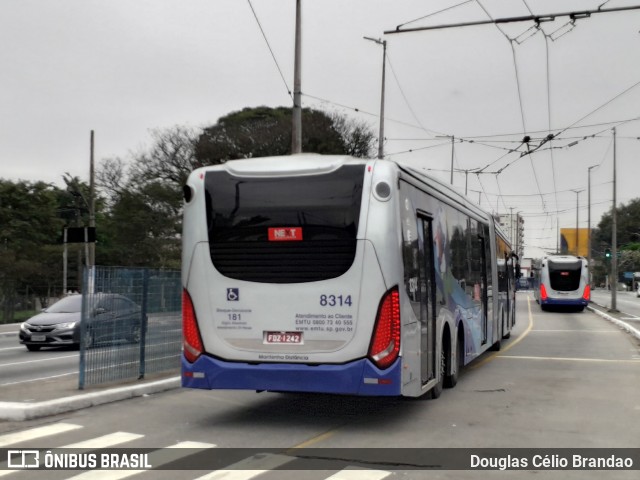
589	220
384	63
577	192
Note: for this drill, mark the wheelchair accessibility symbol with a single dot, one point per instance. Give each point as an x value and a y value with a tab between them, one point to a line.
233	294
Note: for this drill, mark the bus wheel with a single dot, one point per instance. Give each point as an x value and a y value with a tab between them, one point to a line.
451	380
437	390
505	335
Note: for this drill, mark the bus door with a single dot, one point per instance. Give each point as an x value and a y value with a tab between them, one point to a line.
484	289
427	298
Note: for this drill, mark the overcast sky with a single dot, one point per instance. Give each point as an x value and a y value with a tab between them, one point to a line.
126	67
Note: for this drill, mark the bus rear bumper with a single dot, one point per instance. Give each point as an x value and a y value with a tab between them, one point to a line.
360	377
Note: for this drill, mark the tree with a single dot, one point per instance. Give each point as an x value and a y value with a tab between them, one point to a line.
628	235
143	197
143	220
30	230
628	226
265	131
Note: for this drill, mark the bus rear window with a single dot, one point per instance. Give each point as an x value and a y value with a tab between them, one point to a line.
565	277
316	216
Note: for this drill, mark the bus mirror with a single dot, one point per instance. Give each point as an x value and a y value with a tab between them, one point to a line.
518	272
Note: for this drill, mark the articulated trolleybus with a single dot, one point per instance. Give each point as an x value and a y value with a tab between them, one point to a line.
332	274
562	281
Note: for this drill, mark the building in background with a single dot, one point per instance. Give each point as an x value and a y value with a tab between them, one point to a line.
513	225
574	242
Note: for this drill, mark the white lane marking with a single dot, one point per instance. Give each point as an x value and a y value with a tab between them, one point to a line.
574	331
106	441
250	467
41	378
36	361
359	475
568	359
13	348
38	432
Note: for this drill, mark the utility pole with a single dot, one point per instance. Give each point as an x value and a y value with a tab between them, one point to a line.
614	237
92	220
453	139
589	220
92	203
384	63
296	116
452	147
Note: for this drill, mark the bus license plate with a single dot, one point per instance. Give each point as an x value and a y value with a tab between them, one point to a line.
283	338
38	338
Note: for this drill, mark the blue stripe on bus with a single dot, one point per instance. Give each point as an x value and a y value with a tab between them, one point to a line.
565	301
360	377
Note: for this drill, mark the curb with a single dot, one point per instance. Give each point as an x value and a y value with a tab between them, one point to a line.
20	411
625	326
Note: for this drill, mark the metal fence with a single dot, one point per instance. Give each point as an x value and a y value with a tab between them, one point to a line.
131	324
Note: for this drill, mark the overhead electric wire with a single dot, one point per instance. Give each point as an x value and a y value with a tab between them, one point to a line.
434	13
406	101
546	131
417	149
358	110
599	108
264	35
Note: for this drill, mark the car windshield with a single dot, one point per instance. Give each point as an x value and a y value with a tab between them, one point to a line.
71	304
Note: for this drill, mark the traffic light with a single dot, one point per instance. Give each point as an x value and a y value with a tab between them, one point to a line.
607	253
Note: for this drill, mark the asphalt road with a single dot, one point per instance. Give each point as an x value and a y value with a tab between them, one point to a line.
17	364
626	302
563	380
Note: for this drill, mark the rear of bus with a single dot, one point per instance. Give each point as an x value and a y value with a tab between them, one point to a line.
564	282
283	283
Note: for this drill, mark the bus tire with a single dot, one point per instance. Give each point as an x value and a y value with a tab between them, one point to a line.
436	391
451	380
505	335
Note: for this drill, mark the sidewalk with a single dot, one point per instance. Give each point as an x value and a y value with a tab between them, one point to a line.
618	318
29	400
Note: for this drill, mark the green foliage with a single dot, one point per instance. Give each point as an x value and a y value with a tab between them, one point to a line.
628	236
30	228
264	131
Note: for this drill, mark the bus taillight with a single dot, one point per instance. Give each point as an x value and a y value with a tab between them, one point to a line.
543	292
190	334
385	344
587	293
